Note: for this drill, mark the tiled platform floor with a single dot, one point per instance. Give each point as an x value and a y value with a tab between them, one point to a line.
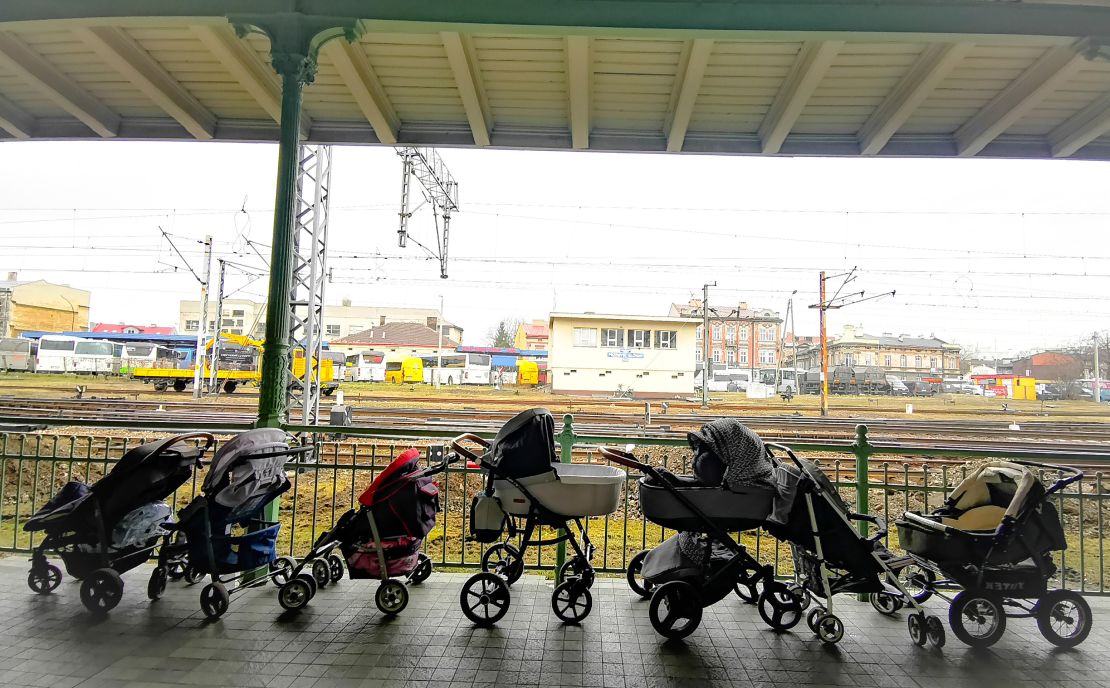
341	641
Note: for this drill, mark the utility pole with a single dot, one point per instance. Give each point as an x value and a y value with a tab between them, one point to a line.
202	331
439	345
824	350
707	359
214	366
1097	396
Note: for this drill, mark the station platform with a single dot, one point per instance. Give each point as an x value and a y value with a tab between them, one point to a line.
341	641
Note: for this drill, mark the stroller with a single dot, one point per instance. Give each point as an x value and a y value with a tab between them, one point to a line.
526	488
247	473
993	541
112	526
732	490
831	556
381	539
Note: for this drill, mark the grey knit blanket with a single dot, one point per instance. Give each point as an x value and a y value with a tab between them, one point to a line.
727	452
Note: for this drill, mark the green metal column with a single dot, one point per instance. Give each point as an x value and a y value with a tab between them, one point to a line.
863	450
566	448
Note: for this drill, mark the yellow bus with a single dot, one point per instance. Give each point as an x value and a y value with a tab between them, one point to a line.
527	373
409	370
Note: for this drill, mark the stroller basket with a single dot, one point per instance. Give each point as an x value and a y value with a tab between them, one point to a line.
574	489
743	509
234	552
401	556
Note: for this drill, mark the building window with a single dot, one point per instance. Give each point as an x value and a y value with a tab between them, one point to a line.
666	339
730	334
717	356
916	361
639	339
767	356
192	325
585	336
766	333
933	363
887	361
849	359
744	334
355	328
228	323
700	333
743	357
716	331
238	314
869	359
731	356
902	361
698	356
331	330
612	337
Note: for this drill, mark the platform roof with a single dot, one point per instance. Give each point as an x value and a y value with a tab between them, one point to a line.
908	77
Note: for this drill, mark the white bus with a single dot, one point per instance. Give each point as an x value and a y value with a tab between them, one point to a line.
95	357
140	355
18	355
55	354
366	366
458	369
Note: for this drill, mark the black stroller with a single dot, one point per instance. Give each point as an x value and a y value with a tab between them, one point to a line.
732	490
247	473
994	538
112	526
381	540
831	556
526	488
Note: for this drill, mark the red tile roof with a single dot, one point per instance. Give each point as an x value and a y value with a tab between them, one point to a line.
398	334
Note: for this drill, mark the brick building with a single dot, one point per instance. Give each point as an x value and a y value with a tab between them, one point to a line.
40	306
1049	365
739	336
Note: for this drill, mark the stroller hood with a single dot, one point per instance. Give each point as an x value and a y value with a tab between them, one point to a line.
405	464
728	452
402	499
249	468
525	446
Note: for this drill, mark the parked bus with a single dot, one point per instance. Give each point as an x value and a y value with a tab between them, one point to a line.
409	370
141	355
528	373
95	357
55	354
366	366
458	369
338	364
18	355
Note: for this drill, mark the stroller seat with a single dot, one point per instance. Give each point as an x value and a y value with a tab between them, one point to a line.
981	518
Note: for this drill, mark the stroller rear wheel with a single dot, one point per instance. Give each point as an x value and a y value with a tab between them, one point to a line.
885	603
295	594
778	608
1064	618
675	610
392	597
813	616
44	579
572	601
917	580
799	593
335	567
422	571
504	559
321	572
485	598
747	591
157	583
193	575
636	581
576	567
977	618
916	624
101	590
935	630
281	570
214	600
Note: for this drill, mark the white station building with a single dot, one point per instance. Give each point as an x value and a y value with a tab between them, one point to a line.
592	353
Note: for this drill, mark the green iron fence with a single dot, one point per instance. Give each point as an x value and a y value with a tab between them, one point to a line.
876	478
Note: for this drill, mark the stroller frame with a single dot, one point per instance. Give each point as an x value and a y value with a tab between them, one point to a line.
821	619
503	563
742	572
976	593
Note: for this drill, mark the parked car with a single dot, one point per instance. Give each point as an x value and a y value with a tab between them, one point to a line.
897	387
921	389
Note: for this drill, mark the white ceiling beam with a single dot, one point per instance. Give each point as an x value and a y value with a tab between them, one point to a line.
355	70
1036	83
34	69
809	68
687	85
460	55
252	73
14	120
127	57
934	64
578	89
1081	128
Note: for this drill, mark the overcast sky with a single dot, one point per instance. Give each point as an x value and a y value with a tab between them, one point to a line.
995	255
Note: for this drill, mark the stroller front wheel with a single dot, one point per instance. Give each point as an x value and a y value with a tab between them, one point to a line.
157	583
485	598
193	575
281	570
102	590
885	603
778	608
572	601
504	559
422	571
675	610
392	597
977	618
1064	618
295	594
321	572
636	581
829	629
45	579
335	567
214	600
576	567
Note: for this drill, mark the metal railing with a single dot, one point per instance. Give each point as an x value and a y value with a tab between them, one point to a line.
875	478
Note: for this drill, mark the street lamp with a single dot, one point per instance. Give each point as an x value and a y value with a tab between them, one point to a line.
72	313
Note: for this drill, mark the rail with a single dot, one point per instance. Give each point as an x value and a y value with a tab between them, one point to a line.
880	478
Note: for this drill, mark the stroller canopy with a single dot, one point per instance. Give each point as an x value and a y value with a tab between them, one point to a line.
403	465
728	452
993	491
525	446
249	468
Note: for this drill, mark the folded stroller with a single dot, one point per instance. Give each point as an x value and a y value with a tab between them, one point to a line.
732	490
112	526
831	556
380	540
225	538
993	541
526	488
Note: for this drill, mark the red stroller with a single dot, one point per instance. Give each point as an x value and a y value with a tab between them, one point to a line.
381	539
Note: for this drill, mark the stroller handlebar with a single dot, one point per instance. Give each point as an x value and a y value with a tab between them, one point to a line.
1061	482
879	521
626	459
456	445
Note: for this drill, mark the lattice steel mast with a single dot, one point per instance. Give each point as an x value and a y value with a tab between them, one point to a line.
440	190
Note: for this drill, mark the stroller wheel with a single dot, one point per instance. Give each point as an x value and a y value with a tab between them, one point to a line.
918	633
747	592
335	567
885	603
977	618
176	569
572	601
778	608
799	593
934	629
101	590
157	583
639	586
830	629
422	571
813	617
281	570
295	594
193	575
321	572
576	567
214	600
1064	618
44	579
504	559
485	598
675	610
917	580
392	597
